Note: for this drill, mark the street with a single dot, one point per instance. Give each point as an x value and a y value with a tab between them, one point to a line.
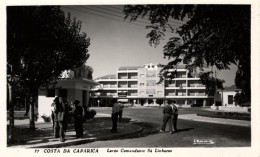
191	134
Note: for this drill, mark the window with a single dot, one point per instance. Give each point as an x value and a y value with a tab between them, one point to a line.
141	84
150	82
230	99
50	92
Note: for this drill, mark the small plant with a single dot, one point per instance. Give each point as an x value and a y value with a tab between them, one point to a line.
46	118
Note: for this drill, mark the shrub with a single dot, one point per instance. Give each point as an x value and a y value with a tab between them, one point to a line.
46	118
89	114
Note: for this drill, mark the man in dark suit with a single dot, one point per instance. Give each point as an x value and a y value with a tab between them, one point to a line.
78	119
60	110
167	113
114	115
174	115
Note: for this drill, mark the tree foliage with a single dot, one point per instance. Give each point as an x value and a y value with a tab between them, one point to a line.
41	43
213	35
211	83
84	71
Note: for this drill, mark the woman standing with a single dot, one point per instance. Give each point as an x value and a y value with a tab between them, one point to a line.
78	119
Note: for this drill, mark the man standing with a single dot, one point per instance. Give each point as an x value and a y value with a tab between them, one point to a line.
175	115
53	106
120	114
167	113
114	115
78	119
59	119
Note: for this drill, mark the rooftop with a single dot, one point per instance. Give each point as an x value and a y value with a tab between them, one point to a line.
130	67
110	76
231	88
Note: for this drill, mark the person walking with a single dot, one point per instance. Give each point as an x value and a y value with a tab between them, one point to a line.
175	115
114	115
59	119
167	113
78	119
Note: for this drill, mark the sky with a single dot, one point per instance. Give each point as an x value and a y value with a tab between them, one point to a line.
116	42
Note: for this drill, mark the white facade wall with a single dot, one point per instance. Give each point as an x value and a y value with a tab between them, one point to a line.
225	98
74	92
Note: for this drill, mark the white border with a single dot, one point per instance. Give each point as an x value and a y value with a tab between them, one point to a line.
194	152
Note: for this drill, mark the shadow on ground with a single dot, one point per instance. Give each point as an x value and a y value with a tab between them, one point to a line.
98	128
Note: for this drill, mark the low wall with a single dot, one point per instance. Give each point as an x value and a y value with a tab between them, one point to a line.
234	109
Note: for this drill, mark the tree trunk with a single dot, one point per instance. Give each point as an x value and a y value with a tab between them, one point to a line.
11	114
32	123
32	102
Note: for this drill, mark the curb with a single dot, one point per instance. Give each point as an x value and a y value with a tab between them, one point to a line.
83	141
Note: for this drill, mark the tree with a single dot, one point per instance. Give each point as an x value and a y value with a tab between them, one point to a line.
84	71
213	35
41	43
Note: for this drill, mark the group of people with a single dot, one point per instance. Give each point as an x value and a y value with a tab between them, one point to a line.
170	116
61	112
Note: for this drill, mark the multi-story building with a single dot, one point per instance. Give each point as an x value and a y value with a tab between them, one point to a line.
139	85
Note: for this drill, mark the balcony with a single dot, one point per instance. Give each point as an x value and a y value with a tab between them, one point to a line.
106	86
113	86
122	77
132	94
122	86
133	77
132	86
192	94
200	94
181	85
200	85
192	85
171	94
181	94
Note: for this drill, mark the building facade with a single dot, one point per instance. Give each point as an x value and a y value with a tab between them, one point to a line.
138	85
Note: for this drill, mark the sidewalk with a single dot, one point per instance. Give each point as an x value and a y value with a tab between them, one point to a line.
195	117
97	129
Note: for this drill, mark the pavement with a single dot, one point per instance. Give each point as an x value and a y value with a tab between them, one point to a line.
97	129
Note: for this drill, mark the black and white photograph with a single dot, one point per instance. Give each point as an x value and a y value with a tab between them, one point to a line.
131	79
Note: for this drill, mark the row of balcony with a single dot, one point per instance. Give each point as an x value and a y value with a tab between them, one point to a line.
120	86
184	94
114	94
135	94
184	85
127	77
135	86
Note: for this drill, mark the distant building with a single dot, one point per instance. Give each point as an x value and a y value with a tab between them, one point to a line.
228	94
137	85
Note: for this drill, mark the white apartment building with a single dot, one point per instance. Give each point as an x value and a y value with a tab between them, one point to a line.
138	85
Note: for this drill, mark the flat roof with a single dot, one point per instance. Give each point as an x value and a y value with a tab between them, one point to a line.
130	67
